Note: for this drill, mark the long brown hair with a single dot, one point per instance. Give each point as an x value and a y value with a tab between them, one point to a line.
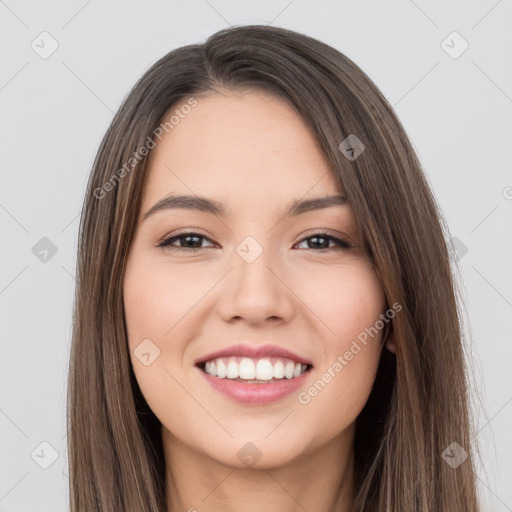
419	404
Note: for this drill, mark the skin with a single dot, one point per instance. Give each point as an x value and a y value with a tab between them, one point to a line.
253	153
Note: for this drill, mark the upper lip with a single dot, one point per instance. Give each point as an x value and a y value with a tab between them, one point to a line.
252	351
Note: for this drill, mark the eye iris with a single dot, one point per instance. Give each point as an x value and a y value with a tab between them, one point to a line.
316	238
197	239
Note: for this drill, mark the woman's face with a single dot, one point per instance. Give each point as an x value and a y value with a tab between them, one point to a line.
251	275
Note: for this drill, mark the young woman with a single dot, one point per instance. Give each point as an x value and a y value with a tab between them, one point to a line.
265	314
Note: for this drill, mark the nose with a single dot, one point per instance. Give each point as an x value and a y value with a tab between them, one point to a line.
257	292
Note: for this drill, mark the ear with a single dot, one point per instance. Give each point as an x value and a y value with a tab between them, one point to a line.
390	345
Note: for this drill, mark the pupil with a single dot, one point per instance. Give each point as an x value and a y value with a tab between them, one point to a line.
316	238
196	238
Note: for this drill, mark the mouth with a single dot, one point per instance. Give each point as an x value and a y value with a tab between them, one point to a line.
255	381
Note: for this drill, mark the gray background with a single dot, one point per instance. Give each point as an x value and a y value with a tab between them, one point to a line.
55	110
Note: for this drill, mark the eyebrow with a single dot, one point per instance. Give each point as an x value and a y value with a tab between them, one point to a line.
213	207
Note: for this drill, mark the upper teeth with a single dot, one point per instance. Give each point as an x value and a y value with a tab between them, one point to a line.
260	369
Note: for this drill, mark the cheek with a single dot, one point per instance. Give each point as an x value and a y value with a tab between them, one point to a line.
349	301
157	296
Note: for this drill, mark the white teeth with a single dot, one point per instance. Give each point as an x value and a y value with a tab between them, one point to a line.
264	369
249	369
278	370
289	370
222	371
232	370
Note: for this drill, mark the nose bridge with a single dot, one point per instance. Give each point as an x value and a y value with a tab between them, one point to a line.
251	262
255	291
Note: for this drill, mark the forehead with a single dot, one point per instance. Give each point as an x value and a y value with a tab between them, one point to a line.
242	148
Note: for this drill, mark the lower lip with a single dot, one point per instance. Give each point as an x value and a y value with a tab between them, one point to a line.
256	394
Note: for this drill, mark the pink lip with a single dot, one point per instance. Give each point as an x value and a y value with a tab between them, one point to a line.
255	394
244	350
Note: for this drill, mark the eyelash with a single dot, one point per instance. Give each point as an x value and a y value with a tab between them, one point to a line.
166	243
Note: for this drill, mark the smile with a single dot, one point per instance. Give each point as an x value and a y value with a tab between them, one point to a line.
254	381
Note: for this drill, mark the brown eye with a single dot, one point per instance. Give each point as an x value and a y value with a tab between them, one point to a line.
321	241
190	241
